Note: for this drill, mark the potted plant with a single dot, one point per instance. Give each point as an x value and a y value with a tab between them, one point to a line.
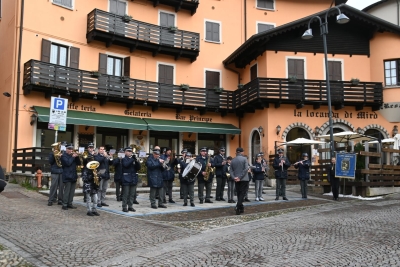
292	79
172	29
218	90
240	86
184	87
95	74
124	78
126	18
354	81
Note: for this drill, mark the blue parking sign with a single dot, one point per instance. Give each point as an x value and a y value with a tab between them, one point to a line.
59	103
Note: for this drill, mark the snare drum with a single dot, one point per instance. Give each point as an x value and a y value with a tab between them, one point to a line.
191	171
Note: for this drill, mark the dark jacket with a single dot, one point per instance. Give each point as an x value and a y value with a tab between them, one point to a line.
130	167
89	186
118	170
104	165
218	159
69	164
225	171
331	173
239	168
2	185
154	172
281	172
203	162
258	173
304	170
183	166
169	175
54	167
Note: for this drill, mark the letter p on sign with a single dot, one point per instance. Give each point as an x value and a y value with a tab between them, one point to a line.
59	104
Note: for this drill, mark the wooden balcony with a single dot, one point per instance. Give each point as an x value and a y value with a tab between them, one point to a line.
119	30
261	92
190	5
52	79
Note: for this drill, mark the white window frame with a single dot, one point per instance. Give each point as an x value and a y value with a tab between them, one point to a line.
220	31
214	70
264	23
63	43
342	69
293	57
263	8
121	56
167	64
70	8
168	12
126	6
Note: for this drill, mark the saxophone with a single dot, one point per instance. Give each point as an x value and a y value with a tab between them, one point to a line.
208	169
57	153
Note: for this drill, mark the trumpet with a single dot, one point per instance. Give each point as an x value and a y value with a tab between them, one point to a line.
165	165
300	161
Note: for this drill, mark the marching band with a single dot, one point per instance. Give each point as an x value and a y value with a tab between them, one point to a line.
161	168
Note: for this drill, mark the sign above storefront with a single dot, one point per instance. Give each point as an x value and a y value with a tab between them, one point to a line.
89	108
347	115
391	111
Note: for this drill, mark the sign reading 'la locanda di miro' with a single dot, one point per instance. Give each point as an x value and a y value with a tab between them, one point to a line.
346	115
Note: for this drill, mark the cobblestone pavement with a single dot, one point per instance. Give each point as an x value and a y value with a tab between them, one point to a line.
344	233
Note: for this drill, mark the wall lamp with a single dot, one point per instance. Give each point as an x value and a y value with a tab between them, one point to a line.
33	118
278	129
6	94
190	135
87	128
261	130
395	130
232	136
359	130
316	130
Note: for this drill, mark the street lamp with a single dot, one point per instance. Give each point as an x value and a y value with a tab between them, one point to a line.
341	19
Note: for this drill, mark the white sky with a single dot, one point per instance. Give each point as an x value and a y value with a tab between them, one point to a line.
360	4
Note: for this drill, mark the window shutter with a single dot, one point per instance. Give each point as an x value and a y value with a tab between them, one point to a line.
103	63
215	34
212	79
208	31
74	60
127	66
398	71
291	68
296	68
46	47
169	74
253	72
121	8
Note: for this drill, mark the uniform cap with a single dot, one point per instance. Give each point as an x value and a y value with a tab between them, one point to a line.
222	149
188	154
128	149
203	149
305	155
157	152
184	151
90	145
70	146
280	150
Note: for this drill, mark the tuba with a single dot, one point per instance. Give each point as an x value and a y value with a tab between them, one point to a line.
93	165
57	153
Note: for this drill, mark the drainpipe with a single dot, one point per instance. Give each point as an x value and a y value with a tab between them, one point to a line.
398	12
21	23
245	20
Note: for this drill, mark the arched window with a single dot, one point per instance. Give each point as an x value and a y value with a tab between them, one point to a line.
255	145
294	152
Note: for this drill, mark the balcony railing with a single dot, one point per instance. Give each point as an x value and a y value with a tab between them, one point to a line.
56	79
308	92
115	29
190	5
25	160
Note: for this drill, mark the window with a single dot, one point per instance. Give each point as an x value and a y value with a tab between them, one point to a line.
267	4
64	3
392	72
296	68
115	66
212	79
118	7
60	54
262	27
0	9
213	31
253	72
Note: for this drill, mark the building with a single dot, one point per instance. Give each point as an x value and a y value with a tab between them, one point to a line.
187	74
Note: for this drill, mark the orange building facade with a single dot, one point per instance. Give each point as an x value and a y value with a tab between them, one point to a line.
188	74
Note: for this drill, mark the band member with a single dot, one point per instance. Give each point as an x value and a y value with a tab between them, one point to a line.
265	163
90	188
219	163
104	173
90	157
281	164
168	174
258	176
203	158
56	177
335	182
118	175
188	186
130	167
180	170
303	174
69	161
230	180
154	171
239	171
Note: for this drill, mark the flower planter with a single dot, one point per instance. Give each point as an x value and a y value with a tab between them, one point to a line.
124	78
355	81
126	18
95	74
218	91
292	79
172	29
184	87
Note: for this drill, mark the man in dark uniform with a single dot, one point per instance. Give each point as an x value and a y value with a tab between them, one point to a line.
130	167
303	173
201	183
168	174
90	157
281	164
104	173
180	170
56	176
154	171
219	163
188	186
69	161
335	182
118	175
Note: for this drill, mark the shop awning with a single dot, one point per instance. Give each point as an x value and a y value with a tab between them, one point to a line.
193	127
95	119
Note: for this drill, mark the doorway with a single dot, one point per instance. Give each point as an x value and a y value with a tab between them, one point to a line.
164	140
111	138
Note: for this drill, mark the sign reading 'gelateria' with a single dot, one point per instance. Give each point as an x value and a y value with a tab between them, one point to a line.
346	115
137	113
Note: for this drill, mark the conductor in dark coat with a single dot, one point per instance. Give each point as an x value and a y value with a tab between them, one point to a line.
335	182
155	179
281	164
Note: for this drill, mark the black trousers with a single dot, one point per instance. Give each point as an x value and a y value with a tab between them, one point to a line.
220	187
118	191
335	183
241	189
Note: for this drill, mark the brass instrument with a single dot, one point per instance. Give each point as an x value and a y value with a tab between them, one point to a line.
208	169
165	165
228	174
57	153
300	161
93	165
